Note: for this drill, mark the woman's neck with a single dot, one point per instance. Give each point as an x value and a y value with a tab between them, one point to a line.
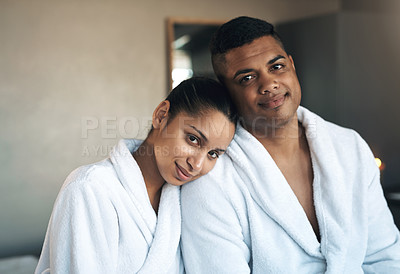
146	161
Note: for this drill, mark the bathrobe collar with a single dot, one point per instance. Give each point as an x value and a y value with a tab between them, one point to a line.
162	233
272	193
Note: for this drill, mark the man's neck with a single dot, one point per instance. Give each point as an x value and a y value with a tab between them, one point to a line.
283	142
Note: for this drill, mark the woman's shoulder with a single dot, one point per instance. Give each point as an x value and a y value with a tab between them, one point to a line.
96	177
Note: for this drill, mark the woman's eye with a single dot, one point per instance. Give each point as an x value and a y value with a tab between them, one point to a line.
193	139
213	154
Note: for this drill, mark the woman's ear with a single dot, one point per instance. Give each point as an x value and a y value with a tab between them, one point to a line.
160	114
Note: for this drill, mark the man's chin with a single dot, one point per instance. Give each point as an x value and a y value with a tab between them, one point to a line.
267	126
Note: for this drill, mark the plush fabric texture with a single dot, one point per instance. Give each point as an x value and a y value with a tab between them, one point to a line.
243	216
103	222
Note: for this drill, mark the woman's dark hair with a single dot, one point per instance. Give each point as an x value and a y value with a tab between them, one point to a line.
199	94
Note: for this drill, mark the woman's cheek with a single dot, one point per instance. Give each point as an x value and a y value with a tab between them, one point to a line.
208	166
163	151
184	150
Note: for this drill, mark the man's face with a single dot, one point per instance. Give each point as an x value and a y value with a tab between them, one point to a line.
262	81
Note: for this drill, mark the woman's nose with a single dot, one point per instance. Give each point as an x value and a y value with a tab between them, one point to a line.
196	161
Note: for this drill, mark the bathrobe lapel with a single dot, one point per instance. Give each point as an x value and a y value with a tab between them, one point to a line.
270	190
162	234
128	170
332	195
167	235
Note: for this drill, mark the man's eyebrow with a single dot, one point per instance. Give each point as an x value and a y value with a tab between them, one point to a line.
244	71
273	60
201	133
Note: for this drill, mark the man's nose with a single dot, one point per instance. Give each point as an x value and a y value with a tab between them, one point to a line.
267	83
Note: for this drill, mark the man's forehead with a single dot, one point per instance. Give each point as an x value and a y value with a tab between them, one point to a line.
266	46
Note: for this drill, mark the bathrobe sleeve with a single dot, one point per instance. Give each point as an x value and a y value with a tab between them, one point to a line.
212	237
383	250
83	231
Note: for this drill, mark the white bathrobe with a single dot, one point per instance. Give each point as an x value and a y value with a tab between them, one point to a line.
103	222
243	216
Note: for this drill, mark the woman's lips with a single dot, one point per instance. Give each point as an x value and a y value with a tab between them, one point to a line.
182	173
274	102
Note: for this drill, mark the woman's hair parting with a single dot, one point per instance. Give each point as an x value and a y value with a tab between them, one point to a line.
197	95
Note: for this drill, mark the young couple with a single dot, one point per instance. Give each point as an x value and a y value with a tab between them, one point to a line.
292	194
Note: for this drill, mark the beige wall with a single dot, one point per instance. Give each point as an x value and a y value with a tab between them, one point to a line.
63	63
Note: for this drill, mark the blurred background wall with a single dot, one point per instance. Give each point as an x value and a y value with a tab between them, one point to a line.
76	76
348	64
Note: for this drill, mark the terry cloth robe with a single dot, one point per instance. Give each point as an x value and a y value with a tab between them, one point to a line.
103	222
243	216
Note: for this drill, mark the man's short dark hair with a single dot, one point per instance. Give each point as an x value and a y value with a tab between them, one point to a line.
240	31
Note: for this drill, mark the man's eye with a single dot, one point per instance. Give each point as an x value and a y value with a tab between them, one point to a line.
277	67
213	154
246	78
193	139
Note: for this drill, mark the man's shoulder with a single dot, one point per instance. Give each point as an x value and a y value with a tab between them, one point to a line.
341	133
315	124
347	142
220	183
214	179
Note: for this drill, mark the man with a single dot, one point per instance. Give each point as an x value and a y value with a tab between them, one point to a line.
295	194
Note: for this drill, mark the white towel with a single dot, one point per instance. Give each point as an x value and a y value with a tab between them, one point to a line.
243	216
103	222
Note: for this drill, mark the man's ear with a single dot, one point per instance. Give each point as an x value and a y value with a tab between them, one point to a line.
160	114
291	61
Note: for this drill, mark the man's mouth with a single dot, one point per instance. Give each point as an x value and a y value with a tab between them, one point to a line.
274	102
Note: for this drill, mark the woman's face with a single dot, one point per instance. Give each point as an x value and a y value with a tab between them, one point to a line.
187	147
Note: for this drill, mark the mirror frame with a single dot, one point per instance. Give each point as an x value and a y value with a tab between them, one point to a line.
171	21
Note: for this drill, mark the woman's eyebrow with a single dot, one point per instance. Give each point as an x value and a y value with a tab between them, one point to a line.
201	133
206	140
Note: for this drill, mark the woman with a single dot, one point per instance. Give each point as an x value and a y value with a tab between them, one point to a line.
119	215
